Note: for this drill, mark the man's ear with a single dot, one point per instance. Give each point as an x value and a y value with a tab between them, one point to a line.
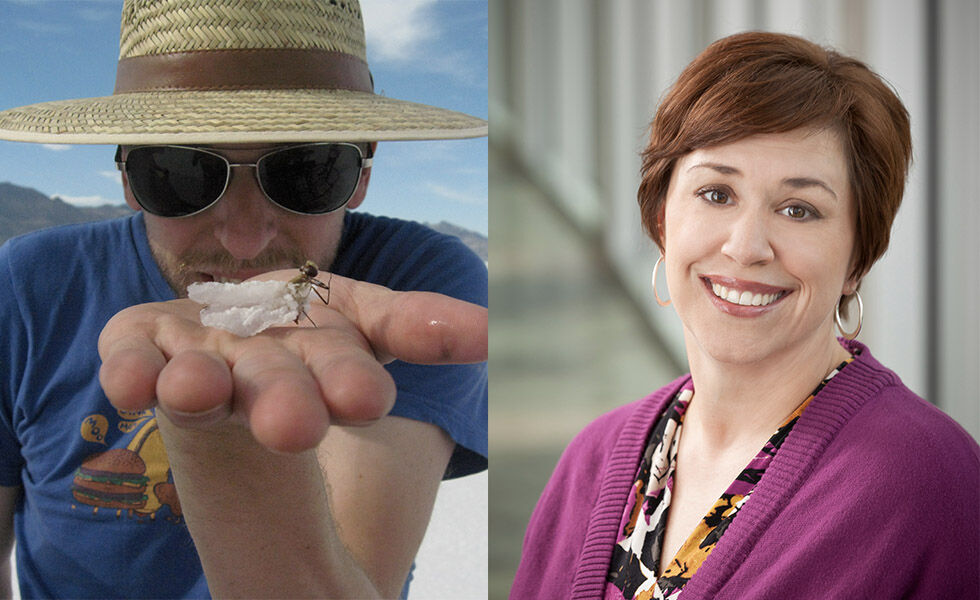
362	184
128	193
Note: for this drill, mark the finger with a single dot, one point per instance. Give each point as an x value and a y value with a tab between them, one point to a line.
129	371
279	399
133	354
416	327
195	389
356	388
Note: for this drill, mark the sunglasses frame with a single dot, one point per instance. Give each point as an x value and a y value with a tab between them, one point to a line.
366	162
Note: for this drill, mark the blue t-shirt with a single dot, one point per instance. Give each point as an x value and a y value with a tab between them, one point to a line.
99	516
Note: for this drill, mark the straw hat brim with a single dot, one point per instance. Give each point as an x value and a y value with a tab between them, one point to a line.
234	116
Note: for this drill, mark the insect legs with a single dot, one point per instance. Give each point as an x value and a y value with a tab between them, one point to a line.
307	275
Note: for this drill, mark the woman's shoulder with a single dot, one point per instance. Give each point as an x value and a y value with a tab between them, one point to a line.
897	431
888	474
892	436
892	414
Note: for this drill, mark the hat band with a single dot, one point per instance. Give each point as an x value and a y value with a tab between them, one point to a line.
244	69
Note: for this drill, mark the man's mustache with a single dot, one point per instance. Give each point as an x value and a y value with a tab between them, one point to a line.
220	261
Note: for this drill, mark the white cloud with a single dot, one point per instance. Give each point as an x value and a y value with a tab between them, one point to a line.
113	175
85	200
396	29
57	147
455	195
88	13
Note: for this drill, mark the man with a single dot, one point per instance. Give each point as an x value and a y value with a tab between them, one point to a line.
300	461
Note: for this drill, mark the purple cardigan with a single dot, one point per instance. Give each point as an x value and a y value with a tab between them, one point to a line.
874	494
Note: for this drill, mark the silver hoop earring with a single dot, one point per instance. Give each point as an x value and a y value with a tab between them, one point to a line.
840	326
653	282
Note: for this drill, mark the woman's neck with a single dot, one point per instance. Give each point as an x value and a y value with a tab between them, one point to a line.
737	404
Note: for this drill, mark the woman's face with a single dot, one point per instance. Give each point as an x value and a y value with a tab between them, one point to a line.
758	238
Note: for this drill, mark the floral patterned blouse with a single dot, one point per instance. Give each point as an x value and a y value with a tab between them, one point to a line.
635	571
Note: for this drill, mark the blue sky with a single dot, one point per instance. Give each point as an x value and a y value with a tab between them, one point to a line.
430	51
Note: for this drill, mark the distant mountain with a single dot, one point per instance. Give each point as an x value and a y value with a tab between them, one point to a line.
476	242
24	209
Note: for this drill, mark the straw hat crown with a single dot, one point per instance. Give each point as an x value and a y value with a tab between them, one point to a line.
238	71
167	26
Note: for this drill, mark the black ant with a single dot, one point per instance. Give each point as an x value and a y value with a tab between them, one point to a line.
307	276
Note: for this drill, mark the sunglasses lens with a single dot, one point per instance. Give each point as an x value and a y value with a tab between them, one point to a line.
311	179
170	181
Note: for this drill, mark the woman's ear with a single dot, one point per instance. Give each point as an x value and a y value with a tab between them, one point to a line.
661	217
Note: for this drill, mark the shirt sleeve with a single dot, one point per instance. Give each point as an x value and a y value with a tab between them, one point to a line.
406	256
454	397
13	353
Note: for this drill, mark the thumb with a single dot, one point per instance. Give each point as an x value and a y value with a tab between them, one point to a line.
416	327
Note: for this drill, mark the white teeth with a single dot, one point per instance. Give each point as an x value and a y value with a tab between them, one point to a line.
228	280
743	298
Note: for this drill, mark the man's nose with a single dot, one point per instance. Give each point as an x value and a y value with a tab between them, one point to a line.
246	221
748	240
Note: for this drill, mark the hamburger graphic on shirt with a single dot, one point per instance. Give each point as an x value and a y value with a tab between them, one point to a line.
112	479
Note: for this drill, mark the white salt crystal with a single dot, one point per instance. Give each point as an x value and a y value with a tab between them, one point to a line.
250	307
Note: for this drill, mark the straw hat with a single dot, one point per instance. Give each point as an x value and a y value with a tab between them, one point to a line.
238	71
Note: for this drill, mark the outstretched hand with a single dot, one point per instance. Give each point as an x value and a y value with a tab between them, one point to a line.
286	384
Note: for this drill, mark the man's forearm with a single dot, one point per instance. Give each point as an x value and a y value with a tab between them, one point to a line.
261	521
5	587
8	499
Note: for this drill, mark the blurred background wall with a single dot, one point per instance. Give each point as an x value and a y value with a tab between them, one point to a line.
573	85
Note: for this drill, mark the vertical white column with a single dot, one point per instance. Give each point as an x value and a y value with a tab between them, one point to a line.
959	222
787	16
619	138
894	292
726	17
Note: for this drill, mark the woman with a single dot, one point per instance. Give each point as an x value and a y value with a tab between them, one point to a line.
806	469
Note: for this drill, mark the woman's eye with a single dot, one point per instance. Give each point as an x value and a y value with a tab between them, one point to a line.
797	212
714	196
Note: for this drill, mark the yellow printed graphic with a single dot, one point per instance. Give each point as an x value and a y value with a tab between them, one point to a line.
134	479
94	428
148	444
133	419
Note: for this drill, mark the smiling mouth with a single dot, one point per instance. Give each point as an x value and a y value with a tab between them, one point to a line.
737	294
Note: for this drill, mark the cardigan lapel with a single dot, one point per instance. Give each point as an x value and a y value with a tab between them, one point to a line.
617	479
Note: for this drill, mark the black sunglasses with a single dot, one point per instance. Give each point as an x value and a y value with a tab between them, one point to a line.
179	181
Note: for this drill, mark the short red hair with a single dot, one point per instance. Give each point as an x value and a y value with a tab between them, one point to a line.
758	82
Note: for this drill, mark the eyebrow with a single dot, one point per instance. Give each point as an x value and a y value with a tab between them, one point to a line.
793	182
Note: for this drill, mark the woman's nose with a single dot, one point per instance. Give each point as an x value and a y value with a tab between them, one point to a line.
246	221
748	241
